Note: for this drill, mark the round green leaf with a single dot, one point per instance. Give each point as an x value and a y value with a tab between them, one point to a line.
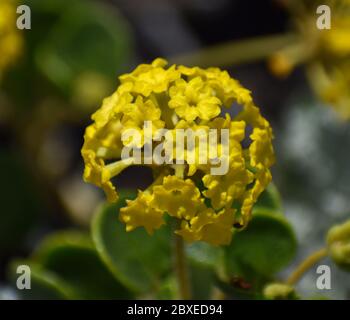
137	259
264	248
72	257
202	278
205	261
205	254
270	199
238	289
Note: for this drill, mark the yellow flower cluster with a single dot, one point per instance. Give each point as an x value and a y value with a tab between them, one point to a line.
325	52
207	206
10	39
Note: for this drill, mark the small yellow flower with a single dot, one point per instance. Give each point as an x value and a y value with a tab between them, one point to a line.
135	114
261	152
193	152
10	39
100	174
223	189
209	226
151	78
141	213
190	101
194	99
179	198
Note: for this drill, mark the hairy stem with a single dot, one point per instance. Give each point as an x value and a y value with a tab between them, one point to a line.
304	266
237	52
180	255
181	268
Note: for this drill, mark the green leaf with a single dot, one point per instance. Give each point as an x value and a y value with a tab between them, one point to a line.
263	249
137	260
205	254
270	199
168	289
202	278
44	284
204	261
237	288
72	257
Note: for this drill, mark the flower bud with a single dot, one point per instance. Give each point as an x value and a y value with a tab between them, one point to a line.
279	291
338	240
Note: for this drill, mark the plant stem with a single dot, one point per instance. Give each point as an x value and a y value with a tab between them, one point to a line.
181	268
179	253
236	52
306	265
